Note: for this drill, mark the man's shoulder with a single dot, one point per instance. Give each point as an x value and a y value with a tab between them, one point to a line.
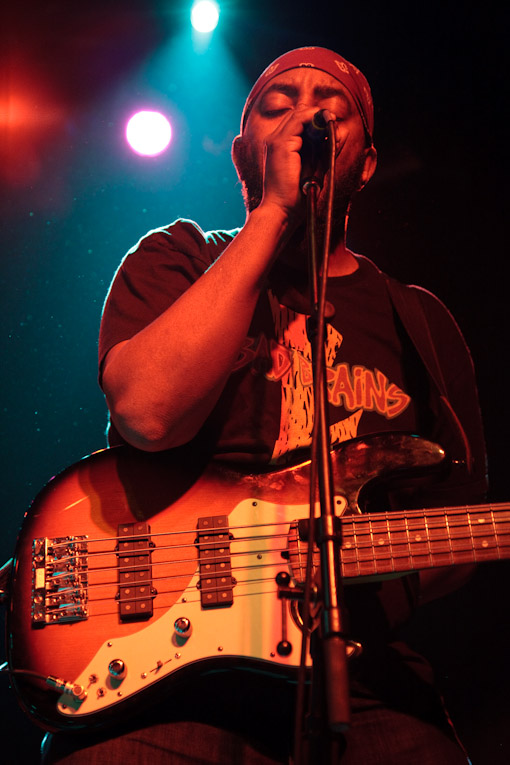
433	307
185	236
408	293
417	307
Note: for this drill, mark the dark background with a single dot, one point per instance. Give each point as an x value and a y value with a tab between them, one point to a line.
74	199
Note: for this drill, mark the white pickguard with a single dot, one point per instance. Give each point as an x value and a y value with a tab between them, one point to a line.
251	628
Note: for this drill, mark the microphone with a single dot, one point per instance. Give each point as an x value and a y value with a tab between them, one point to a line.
321	118
314	151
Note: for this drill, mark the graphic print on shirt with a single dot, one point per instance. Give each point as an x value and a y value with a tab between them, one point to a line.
354	387
297	404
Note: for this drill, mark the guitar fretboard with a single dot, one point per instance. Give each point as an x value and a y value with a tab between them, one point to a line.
383	543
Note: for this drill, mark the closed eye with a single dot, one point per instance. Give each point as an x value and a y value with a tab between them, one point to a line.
275	112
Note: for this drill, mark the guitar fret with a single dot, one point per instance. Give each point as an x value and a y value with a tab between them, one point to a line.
427	533
398	538
419	540
409	543
350	549
448	534
400	545
471	536
380	528
370	558
493	521
390	543
484	535
440	540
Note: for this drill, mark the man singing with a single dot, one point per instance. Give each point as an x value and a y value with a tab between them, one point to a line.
204	343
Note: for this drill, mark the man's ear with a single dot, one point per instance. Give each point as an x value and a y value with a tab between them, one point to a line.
236	147
369	166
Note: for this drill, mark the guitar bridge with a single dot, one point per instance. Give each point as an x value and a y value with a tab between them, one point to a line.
59	580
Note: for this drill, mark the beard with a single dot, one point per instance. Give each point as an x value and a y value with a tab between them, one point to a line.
347	183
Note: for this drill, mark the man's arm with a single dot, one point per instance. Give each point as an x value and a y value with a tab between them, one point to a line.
161	384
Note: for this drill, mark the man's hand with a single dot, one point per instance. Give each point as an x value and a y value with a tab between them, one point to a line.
283	163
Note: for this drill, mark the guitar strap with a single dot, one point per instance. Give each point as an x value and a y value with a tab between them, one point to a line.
407	302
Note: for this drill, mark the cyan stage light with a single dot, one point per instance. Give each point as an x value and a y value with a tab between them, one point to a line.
205	15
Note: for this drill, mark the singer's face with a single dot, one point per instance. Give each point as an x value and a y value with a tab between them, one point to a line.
303	91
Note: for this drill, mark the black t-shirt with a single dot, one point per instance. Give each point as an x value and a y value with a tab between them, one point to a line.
377	381
265	413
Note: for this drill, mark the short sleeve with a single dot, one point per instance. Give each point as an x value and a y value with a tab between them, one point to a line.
153	275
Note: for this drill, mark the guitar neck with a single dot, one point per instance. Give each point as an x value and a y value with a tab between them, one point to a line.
398	542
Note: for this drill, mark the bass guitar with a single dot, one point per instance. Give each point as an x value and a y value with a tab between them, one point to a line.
132	570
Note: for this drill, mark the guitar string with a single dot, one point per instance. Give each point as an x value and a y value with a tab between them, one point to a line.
188	588
377	520
180	591
179	575
381	560
453	540
379	555
381	518
191	561
367	520
194	590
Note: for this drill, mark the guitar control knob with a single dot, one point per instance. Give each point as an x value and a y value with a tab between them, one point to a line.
117	669
284	648
183	627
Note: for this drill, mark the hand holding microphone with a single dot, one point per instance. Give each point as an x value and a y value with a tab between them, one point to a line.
295	152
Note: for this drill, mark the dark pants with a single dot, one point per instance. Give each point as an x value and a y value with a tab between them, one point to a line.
376	737
247	720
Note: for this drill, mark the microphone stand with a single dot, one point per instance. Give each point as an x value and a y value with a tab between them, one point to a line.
330	713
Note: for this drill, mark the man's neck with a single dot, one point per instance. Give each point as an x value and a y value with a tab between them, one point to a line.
289	276
341	259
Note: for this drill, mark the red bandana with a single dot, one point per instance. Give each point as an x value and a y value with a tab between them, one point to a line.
328	61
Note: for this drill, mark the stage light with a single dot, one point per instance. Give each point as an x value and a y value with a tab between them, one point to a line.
205	15
148	133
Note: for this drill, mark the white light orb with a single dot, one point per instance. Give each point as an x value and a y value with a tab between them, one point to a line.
148	133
